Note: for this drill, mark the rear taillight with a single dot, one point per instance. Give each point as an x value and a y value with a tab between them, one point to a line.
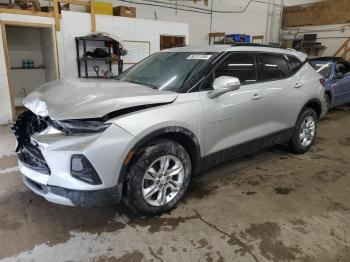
323	81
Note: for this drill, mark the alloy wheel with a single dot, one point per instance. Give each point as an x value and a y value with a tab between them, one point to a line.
163	180
307	131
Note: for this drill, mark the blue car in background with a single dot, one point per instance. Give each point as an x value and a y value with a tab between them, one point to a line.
336	71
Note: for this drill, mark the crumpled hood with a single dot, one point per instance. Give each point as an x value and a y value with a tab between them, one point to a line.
91	98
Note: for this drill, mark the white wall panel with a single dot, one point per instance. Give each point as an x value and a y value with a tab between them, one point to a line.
82	26
5	102
123	27
139	30
250	20
2	57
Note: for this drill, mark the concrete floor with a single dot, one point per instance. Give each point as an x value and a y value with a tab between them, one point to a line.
270	206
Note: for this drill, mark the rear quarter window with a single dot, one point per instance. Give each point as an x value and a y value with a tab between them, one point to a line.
294	63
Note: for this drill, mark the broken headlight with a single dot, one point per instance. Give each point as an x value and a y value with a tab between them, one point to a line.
81	126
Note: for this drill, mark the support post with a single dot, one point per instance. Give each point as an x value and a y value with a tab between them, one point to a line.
93	17
56	15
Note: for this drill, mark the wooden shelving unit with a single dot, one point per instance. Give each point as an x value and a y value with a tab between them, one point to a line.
55	14
216	37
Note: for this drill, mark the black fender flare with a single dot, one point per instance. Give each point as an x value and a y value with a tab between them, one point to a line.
307	104
311	102
166	132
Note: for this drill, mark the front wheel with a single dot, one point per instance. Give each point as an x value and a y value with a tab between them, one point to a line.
158	178
304	132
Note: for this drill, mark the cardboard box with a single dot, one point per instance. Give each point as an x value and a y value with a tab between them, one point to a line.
103	8
126	11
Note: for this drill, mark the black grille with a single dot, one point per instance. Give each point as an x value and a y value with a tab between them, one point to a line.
27	124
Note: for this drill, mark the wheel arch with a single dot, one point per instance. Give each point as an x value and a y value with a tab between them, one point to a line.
315	104
181	135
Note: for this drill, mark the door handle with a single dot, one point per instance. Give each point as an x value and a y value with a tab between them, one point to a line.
256	96
297	85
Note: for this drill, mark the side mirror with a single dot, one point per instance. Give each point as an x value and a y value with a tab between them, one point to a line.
224	84
339	75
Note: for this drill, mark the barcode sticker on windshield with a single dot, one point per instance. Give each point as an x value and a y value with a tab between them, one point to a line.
199	57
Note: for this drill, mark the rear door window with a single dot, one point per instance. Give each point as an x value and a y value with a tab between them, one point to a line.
240	65
273	67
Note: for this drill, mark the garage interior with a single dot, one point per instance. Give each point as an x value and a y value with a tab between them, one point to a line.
270	205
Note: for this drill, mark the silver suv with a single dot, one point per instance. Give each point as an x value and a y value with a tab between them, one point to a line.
141	137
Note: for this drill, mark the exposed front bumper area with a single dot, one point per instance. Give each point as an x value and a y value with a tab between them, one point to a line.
69	197
46	162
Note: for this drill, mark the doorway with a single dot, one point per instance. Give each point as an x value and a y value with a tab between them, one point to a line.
31	59
169	41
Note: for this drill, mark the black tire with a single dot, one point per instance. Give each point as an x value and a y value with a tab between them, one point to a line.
325	106
295	144
144	158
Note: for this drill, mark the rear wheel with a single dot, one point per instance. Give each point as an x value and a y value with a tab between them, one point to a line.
326	104
305	132
158	178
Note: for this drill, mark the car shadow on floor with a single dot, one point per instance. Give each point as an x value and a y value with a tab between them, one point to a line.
26	214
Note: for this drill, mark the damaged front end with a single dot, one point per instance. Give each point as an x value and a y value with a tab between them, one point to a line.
61	160
27	124
28	151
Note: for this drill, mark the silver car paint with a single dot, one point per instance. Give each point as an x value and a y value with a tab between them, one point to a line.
88	98
185	111
255	110
228	120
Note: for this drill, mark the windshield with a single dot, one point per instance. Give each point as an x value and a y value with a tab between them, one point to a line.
323	68
166	71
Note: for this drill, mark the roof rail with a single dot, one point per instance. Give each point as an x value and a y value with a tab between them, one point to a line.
256	44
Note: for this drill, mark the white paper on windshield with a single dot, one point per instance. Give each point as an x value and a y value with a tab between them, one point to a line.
198	57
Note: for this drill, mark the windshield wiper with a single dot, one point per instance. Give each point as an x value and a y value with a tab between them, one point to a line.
151	86
143	84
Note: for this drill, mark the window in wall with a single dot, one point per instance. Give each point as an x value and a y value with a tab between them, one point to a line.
273	66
